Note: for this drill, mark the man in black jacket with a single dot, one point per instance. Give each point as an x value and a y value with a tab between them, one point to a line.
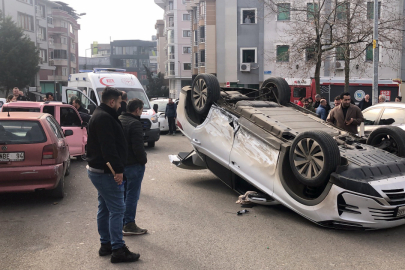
106	143
171	114
135	165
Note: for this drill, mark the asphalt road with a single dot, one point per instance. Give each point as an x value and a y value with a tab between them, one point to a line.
192	223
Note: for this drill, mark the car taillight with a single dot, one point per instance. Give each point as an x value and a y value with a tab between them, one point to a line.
49	152
179	125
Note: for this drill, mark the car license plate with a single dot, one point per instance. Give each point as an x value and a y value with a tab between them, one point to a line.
19	156
401	211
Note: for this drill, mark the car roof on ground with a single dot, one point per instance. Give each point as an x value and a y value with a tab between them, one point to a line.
31	104
21	115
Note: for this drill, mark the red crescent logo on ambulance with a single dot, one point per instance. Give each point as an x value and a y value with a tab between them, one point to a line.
107	81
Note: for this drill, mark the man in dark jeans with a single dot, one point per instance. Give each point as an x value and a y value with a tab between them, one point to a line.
107	143
135	165
171	114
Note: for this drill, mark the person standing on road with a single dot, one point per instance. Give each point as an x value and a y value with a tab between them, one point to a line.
135	165
317	101
171	114
346	116
107	143
365	102
321	110
337	101
17	95
308	105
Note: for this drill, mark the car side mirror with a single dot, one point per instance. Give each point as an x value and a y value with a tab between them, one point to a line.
68	132
155	108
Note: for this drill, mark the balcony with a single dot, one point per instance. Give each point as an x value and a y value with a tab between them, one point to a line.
57	78
170	24
169	11
60	62
170	56
60	46
202	40
201	64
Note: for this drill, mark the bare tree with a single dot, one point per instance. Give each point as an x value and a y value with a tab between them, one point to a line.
321	30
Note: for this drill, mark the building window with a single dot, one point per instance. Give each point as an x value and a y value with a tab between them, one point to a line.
73	70
340	53
248	16
186	66
195	38
59	54
130	50
310	53
27	1
170	35
283	11
40	10
341	10
195	15
312	10
171	68
186	49
64	24
41	33
202	33
49	19
248	55
202	57
63	40
186	33
170	5
202	9
64	71
186	17
283	53
170	52
129	63
171	21
369	52
72	46
26	22
43	56
196	59
73	57
370	10
71	28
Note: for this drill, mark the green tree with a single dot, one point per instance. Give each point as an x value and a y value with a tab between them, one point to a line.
156	86
19	57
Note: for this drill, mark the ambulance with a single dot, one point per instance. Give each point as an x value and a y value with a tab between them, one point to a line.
89	85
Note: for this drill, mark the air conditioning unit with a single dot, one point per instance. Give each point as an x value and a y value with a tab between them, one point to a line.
339	65
245	67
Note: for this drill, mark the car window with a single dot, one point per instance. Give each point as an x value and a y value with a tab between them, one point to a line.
392	117
21	132
132	93
54	126
371	116
86	102
161	105
20	109
49	109
69	117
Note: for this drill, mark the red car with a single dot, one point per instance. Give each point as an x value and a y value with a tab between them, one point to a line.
34	154
66	115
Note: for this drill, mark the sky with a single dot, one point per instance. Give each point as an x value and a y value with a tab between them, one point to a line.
118	19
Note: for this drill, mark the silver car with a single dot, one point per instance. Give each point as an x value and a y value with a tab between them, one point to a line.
256	140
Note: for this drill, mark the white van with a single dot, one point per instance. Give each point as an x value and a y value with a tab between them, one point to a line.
89	86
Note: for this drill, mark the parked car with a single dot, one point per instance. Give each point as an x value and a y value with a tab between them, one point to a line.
260	141
384	114
164	124
34	154
66	115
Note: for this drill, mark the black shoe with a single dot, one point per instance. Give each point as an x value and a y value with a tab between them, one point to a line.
105	249
124	255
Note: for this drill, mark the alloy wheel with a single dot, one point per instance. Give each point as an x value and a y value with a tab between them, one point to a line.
200	93
308	158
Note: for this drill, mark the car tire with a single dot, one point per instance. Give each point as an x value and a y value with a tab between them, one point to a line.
67	172
314	155
205	91
58	192
151	144
276	89
394	135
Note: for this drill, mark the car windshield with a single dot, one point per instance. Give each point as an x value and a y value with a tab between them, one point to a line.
132	93
20	109
161	105
21	132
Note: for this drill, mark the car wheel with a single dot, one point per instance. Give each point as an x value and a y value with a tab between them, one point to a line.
205	91
314	155
58	192
277	90
388	138
67	168
151	144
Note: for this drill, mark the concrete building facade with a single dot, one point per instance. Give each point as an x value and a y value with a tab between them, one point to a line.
178	45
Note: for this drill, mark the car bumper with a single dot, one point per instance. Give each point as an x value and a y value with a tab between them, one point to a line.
152	135
26	179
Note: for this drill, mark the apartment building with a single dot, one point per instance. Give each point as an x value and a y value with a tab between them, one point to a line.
178	47
161	46
279	39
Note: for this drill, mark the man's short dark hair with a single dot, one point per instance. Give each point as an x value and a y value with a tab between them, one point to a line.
134	104
110	93
306	100
338	98
78	101
48	94
399	97
124	96
344	94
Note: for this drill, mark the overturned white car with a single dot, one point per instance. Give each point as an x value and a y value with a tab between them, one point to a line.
256	140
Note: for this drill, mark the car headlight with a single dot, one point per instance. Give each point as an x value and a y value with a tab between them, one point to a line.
154	119
162	115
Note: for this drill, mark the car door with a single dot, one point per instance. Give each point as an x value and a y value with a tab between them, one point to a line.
68	93
254	156
371	117
214	139
69	118
63	147
392	117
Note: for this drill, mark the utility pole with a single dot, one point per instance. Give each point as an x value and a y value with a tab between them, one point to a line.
375	54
